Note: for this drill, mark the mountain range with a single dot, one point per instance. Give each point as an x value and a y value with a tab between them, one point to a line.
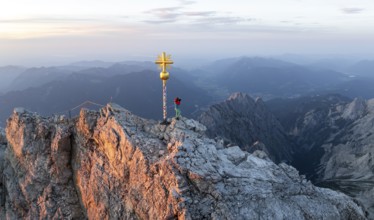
271	78
362	68
263	77
326	137
140	92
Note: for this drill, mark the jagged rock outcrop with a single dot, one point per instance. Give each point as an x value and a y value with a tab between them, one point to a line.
3	144
348	161
336	139
37	170
120	166
248	124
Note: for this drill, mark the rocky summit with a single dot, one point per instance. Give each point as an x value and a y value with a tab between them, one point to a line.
112	164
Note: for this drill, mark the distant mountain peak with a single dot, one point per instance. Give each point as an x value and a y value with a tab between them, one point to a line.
259	100
240	96
244	98
355	109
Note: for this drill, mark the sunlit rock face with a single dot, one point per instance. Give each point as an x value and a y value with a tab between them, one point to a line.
112	164
3	144
37	170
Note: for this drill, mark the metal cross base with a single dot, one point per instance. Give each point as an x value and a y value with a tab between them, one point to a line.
165	122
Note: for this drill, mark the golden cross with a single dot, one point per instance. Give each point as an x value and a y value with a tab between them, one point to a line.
164	61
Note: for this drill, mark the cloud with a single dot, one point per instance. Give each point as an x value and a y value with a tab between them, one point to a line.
164	10
186	2
222	20
41	27
200	18
199	13
172	14
352	10
164	15
164	21
175	14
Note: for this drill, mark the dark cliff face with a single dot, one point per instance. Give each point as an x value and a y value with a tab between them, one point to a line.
112	164
333	136
310	121
329	125
335	139
248	123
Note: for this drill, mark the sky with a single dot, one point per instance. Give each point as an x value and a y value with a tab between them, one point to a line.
50	32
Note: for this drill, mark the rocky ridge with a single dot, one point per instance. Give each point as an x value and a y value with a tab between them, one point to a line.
114	165
248	123
37	169
348	161
3	144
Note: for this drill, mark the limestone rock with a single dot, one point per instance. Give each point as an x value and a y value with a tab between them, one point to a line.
247	122
121	173
3	144
114	165
336	139
37	171
355	109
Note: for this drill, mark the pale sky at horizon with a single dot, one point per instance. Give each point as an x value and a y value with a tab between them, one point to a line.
42	32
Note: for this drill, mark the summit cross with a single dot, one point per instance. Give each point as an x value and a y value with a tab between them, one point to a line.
164	61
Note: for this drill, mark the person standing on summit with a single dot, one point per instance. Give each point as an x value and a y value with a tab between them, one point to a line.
177	102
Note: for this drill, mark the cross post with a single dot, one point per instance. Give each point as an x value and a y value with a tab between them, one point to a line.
164	61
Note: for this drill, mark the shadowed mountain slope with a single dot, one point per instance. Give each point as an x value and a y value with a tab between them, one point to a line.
140	92
247	123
